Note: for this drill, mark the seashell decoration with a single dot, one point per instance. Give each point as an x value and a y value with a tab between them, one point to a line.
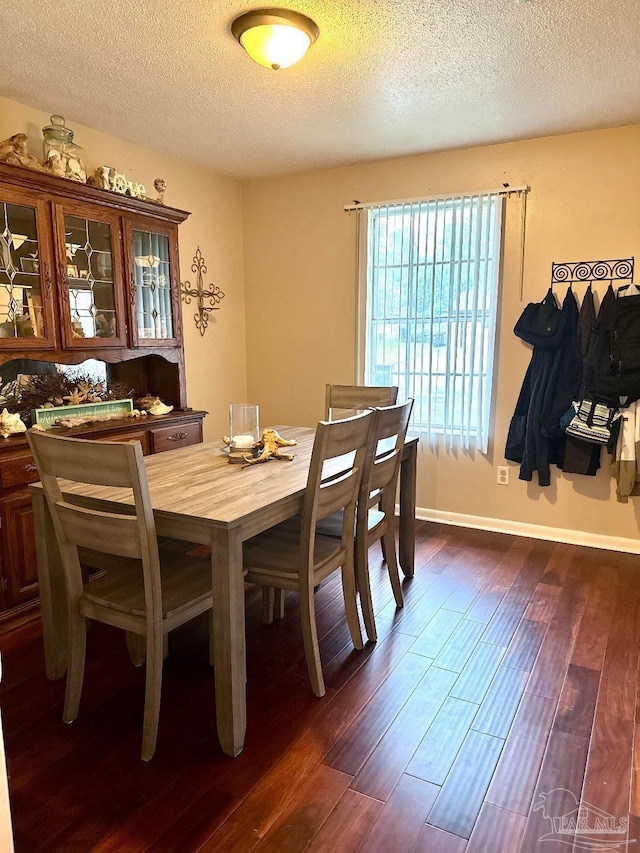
11	424
146	401
159	408
153	405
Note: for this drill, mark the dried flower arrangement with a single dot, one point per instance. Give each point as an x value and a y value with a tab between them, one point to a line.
58	389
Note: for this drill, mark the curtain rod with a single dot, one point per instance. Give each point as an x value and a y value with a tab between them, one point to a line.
504	190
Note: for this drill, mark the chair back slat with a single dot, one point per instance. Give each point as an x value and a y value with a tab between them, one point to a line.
336	494
383	470
393	420
106	532
92	462
356	398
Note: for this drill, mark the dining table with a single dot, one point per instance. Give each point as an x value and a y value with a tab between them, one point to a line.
198	497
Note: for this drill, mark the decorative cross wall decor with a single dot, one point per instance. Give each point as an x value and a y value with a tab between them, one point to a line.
214	294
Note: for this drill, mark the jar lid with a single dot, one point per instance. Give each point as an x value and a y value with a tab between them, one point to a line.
58	130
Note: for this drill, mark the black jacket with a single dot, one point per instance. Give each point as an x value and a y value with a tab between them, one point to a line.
551	383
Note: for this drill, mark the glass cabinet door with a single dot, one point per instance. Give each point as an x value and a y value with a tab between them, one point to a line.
26	315
91	297
152	294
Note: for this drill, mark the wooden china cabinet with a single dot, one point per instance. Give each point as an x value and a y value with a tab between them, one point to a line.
84	274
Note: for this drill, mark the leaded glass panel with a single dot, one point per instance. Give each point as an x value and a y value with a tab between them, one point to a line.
92	305
20	288
152	280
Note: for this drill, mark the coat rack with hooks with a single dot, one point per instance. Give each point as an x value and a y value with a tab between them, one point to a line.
590	272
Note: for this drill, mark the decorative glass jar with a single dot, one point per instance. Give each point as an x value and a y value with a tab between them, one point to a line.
61	154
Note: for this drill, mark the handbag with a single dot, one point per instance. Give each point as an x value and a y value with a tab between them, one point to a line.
592	422
541	324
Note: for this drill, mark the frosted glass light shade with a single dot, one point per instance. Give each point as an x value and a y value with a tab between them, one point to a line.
275	38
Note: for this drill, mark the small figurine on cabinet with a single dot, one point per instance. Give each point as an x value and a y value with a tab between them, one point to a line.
101	178
14	151
161	187
106	178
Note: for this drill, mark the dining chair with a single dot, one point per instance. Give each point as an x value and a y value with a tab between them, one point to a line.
358	397
375	514
355	398
293	557
144	590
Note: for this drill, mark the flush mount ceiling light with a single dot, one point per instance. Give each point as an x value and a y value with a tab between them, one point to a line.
275	38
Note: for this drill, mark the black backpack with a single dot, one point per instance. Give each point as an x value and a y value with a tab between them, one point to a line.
617	353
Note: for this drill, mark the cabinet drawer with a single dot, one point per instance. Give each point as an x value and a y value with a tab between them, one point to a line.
18	471
172	437
137	435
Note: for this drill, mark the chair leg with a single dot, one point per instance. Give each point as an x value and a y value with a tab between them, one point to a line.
153	686
136	647
382	545
310	638
364	588
75	666
268	595
350	604
211	638
278	604
392	566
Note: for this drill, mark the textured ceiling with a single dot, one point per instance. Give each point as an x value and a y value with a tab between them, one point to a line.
385	78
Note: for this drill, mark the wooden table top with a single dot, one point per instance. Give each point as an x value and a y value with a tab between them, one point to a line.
199	482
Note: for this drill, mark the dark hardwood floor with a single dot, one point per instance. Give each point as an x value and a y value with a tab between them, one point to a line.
502	696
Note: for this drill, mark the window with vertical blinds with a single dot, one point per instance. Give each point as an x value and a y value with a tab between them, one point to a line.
432	276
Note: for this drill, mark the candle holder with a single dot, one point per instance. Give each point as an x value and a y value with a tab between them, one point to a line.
244	427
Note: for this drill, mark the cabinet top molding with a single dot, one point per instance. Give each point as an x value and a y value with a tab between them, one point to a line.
55	187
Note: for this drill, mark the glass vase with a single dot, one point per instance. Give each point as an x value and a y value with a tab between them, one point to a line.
63	156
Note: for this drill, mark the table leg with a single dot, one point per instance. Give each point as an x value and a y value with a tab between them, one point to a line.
407	520
229	653
52	593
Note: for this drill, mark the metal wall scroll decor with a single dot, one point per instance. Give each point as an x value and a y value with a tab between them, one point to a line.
213	294
592	271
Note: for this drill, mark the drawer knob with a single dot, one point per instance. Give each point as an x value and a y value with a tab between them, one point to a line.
177	436
30	469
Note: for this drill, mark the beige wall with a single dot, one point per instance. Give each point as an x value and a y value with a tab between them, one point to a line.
215	363
300	287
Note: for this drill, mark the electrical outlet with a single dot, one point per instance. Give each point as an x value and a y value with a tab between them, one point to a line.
502	475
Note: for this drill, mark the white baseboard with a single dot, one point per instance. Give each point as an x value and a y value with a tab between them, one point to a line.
533	531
